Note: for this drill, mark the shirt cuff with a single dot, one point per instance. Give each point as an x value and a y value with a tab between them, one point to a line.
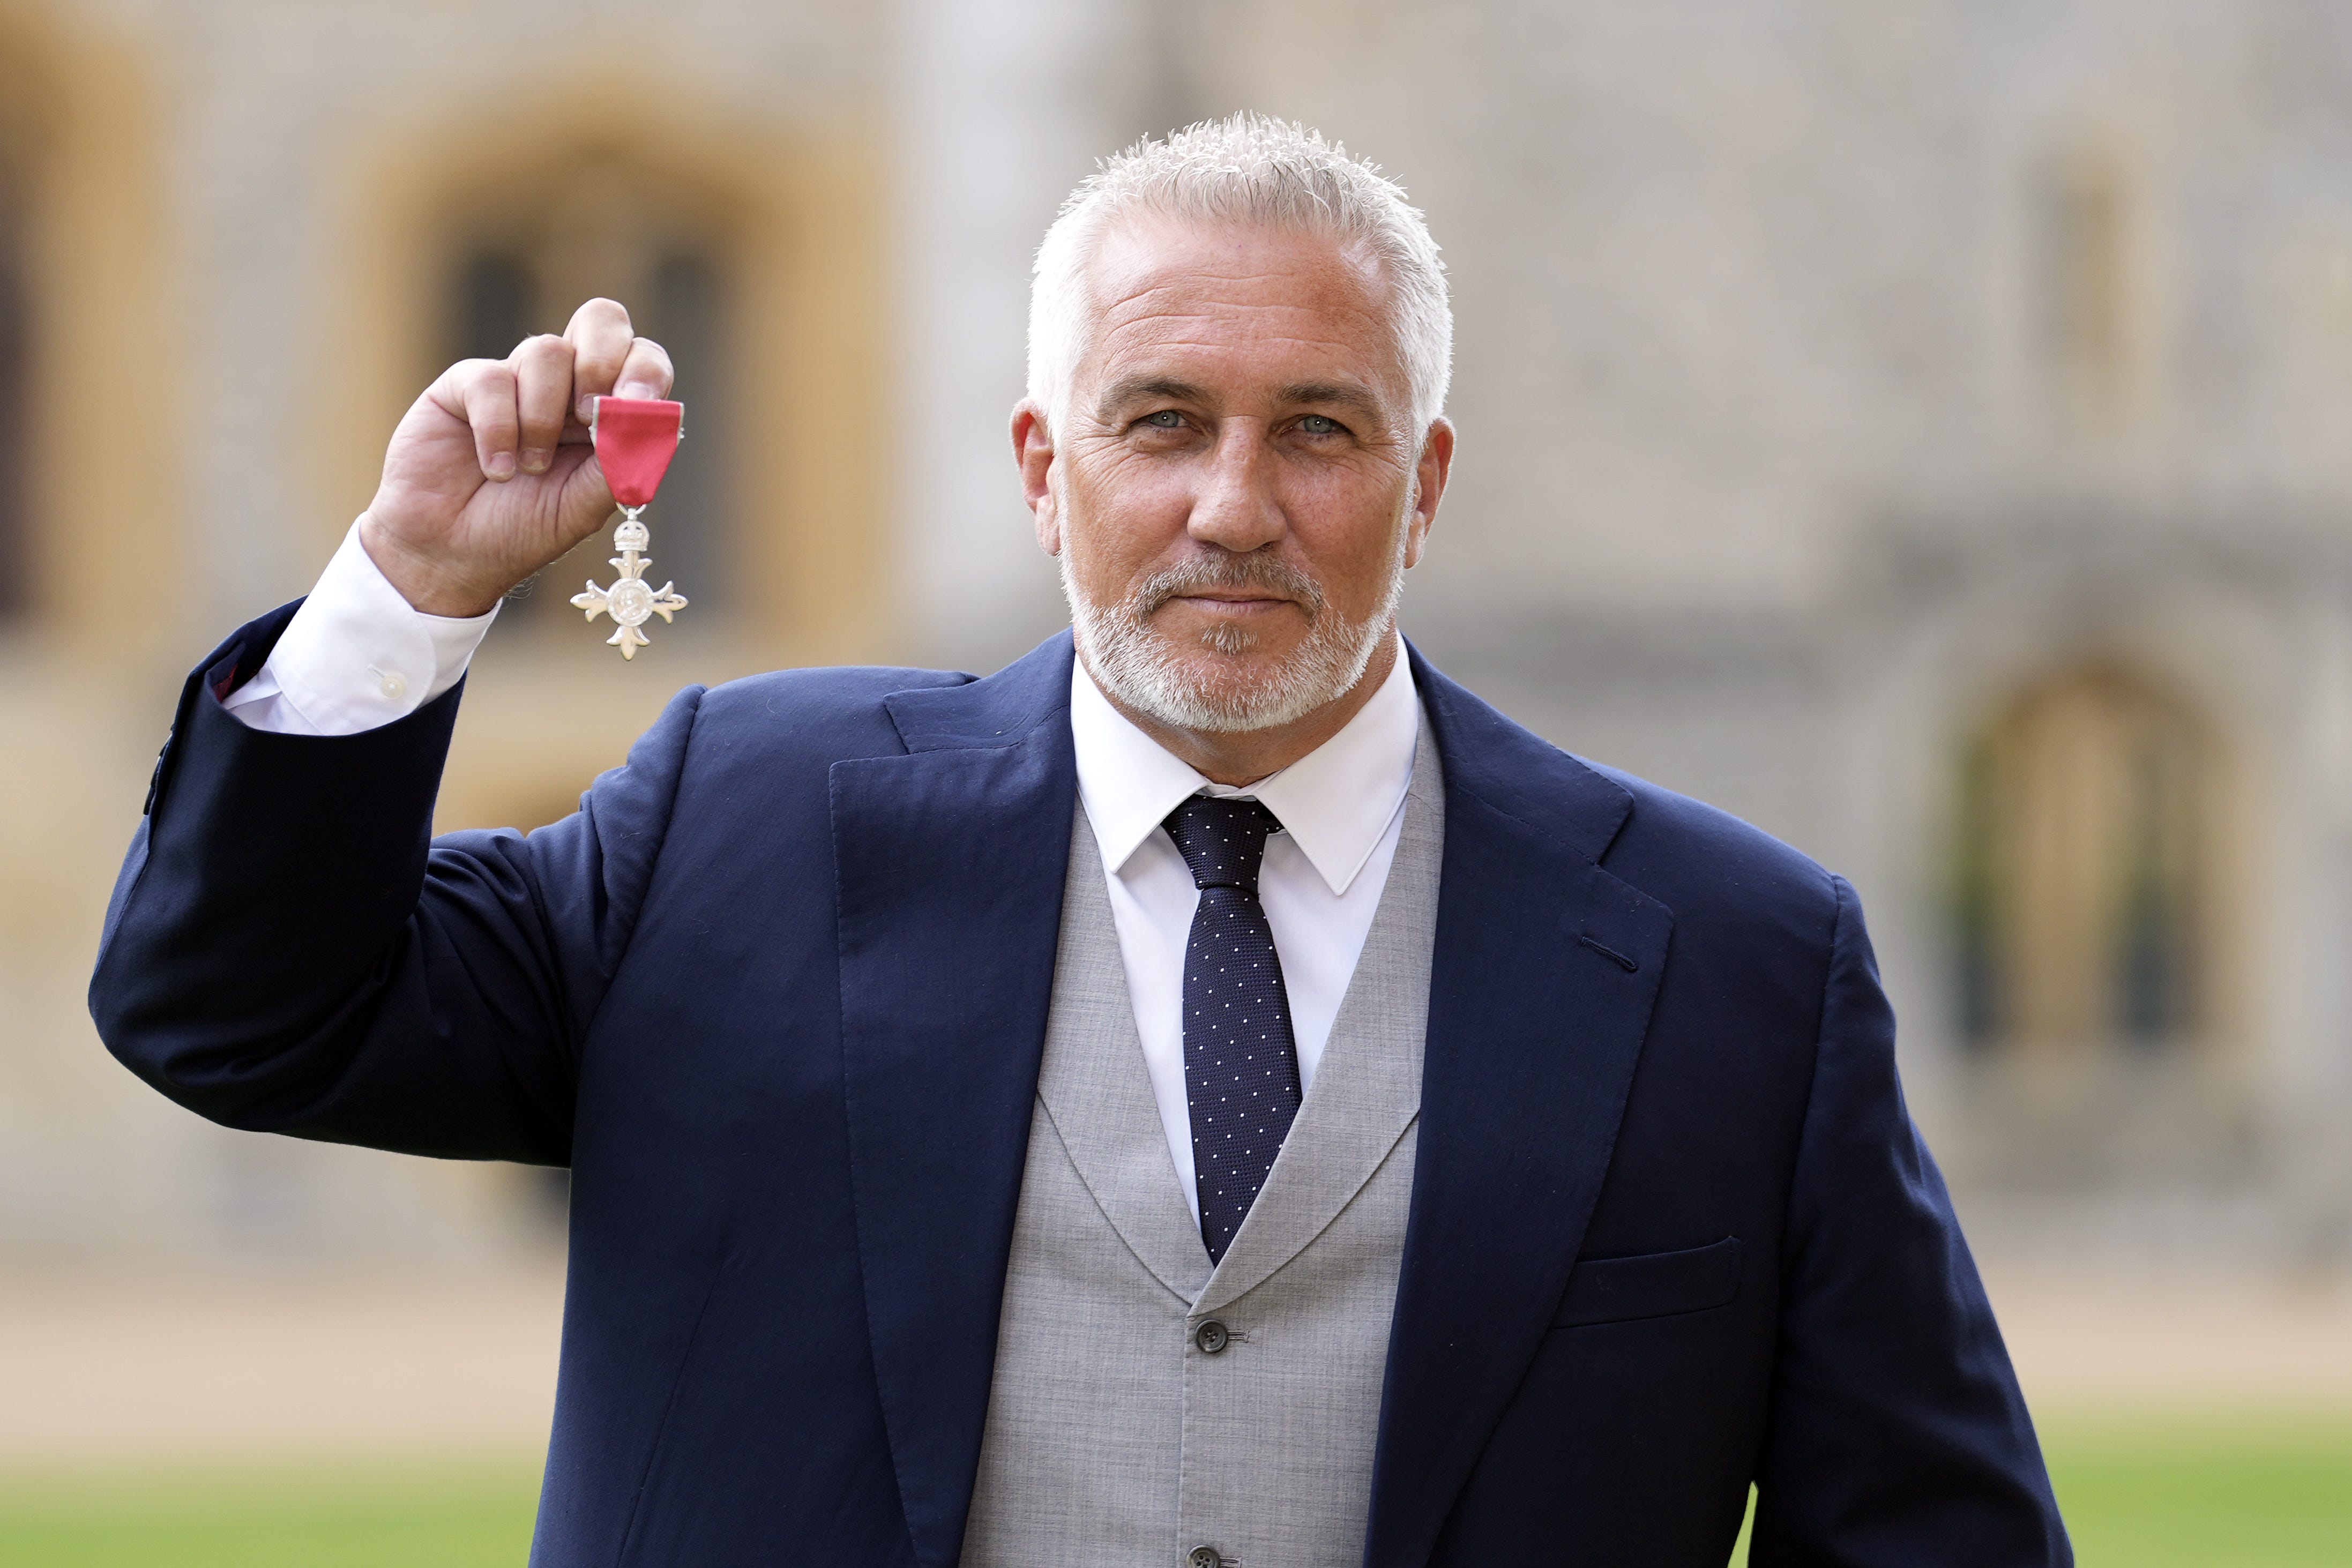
356	656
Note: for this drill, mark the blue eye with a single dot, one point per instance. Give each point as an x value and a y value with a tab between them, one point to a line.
1319	425
1166	419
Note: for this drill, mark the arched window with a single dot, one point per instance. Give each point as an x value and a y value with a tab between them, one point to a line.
2084	893
598	225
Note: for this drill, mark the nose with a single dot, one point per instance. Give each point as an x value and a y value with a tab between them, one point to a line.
1235	507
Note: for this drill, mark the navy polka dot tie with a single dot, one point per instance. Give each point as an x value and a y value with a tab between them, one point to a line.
1241	1065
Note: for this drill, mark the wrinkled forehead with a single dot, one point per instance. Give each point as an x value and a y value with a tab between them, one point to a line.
1240	309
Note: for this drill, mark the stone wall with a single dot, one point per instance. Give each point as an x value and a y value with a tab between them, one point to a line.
1825	372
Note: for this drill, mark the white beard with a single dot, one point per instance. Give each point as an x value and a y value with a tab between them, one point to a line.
1145	669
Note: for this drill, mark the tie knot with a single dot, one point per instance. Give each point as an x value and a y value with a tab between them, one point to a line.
1223	841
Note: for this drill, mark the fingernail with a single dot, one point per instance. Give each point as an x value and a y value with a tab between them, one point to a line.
535	462
635	389
503	465
585	409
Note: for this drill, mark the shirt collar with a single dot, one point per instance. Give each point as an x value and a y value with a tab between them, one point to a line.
1335	801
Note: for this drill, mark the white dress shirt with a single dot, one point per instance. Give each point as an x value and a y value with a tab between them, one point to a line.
357	656
1341	807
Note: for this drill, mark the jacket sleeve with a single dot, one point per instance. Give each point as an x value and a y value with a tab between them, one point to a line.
1897	1437
289	950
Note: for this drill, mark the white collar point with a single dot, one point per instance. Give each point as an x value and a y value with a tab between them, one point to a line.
1335	803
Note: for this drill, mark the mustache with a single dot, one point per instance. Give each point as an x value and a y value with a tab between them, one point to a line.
1227	569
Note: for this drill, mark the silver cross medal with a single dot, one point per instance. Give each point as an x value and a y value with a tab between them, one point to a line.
636	439
629	601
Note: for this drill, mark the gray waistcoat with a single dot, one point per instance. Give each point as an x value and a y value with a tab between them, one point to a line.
1114	1439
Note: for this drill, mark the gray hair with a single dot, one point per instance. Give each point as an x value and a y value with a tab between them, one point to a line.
1248	169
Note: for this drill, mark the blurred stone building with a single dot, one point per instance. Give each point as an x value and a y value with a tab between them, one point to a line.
1923	429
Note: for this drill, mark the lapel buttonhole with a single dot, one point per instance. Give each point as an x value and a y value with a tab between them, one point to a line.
1610	953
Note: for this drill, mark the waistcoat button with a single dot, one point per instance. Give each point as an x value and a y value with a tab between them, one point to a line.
1212	1338
1202	1557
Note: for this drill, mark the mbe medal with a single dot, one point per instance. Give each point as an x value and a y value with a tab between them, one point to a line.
636	439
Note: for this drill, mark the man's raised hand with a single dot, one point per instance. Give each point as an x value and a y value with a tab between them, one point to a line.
490	475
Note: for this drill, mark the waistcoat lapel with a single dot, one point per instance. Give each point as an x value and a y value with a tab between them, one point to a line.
1368	1089
948	864
1097	1090
1533	1037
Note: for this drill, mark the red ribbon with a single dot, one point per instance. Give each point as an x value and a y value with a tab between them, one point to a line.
635	439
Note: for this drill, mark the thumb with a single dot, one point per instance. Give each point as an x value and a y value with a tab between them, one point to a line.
586	500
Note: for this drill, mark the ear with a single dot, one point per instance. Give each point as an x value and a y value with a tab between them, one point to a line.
1032	449
1437	466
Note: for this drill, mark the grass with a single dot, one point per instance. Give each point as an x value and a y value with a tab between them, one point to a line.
2179	1492
450	1515
2224	1492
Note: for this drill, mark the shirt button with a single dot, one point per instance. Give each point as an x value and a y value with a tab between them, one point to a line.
1203	1557
394	685
1211	1337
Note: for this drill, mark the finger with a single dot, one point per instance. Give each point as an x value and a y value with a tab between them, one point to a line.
543	375
482	393
600	335
645	372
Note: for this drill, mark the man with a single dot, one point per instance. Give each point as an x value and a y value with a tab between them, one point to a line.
1226	1098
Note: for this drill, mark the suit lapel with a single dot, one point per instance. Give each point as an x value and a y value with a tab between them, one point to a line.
1533	1036
948	865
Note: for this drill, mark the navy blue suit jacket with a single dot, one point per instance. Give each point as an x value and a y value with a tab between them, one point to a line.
777	993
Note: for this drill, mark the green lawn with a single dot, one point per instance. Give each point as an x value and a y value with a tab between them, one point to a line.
404	1515
2220	1493
2224	1492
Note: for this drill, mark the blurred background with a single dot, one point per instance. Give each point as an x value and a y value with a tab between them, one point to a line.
1923	427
